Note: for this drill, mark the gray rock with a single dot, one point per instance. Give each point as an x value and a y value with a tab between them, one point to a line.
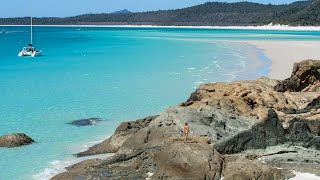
295	158
315	143
300	133
187	161
85	122
206	122
267	133
15	140
239	168
124	131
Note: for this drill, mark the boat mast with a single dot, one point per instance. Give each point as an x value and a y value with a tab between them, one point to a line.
31	29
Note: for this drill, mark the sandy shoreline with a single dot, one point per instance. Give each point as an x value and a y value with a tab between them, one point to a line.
284	54
264	27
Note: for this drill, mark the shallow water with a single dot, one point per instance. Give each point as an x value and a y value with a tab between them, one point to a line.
116	74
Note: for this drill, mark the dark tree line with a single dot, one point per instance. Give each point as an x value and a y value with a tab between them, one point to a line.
208	14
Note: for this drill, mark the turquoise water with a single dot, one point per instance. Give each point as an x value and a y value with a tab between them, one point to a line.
117	74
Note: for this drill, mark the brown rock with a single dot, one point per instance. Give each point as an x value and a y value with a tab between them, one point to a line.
122	133
15	140
305	77
188	161
239	168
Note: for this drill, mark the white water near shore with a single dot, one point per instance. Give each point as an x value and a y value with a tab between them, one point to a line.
304	176
57	167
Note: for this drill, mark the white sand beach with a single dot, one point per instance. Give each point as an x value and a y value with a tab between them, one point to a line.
264	27
284	53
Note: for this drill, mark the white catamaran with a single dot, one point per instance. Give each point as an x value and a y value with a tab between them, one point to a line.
30	50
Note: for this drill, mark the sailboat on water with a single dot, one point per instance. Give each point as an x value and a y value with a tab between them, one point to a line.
30	50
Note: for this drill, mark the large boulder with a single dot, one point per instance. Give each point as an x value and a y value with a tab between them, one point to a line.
305	77
188	161
267	133
286	156
239	168
300	133
15	140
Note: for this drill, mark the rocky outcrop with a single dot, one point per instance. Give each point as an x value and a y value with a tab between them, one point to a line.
175	160
305	77
238	168
249	98
187	161
290	157
85	122
122	133
238	130
15	140
267	133
270	132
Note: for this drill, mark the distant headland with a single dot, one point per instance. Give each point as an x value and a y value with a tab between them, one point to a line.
300	13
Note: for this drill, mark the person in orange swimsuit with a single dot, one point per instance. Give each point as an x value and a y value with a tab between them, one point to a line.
186	132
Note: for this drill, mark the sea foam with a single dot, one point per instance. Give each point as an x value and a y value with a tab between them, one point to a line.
57	166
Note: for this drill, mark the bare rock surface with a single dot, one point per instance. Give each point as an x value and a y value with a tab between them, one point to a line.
175	160
122	133
238	130
267	133
305	77
287	156
15	140
239	168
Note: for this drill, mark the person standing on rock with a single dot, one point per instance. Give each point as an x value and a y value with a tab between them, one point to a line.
186	132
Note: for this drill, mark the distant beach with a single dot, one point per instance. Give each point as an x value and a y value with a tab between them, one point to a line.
284	53
264	27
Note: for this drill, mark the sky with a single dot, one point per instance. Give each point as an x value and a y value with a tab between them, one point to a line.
64	8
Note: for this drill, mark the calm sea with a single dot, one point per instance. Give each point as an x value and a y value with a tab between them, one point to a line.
117	74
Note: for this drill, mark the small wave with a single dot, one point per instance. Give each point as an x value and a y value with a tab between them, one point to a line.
217	64
191	68
243	64
198	83
57	166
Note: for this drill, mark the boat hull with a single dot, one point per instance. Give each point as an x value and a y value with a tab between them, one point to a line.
31	54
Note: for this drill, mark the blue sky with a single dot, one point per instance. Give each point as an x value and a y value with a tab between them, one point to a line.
62	8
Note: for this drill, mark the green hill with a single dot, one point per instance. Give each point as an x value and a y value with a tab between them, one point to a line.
208	14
